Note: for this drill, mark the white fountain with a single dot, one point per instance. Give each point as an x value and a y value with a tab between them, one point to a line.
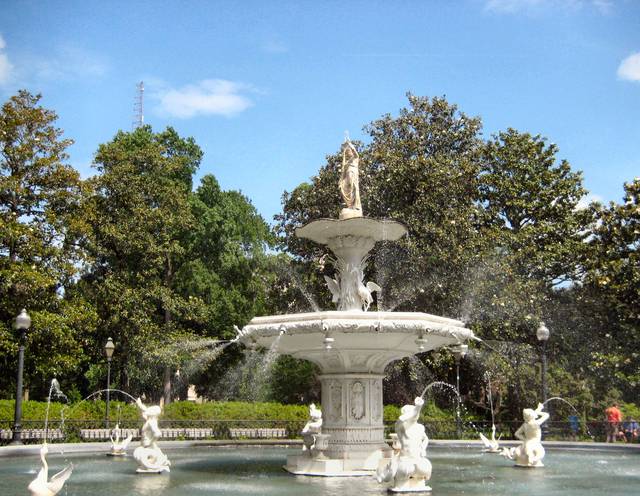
530	452
351	346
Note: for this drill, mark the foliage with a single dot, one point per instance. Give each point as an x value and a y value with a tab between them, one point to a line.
39	256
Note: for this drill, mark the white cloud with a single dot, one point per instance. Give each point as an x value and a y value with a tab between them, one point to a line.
274	46
534	6
69	62
208	97
587	199
629	68
6	67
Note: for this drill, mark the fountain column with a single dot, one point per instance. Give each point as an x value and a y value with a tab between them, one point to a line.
353	417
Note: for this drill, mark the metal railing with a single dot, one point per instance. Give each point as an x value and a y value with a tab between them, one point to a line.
70	430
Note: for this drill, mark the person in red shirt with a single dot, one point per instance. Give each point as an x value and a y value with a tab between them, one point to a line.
614	417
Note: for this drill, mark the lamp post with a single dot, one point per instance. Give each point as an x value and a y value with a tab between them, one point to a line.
459	351
22	324
108	351
542	333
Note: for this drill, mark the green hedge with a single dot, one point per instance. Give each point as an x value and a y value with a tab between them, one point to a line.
185	410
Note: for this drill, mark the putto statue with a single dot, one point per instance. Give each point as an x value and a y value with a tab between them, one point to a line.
349	181
119	448
312	428
41	486
409	469
149	456
531	452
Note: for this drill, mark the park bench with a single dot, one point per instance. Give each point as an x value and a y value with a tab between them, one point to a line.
167	433
31	434
103	434
257	433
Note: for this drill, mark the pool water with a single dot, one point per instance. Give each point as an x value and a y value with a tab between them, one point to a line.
247	471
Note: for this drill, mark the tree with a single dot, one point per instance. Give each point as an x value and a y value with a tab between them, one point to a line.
141	214
40	198
612	282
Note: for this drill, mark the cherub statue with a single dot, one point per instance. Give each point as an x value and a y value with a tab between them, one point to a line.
149	456
41	485
410	468
531	452
312	428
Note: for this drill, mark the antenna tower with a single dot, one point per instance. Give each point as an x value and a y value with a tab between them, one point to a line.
138	106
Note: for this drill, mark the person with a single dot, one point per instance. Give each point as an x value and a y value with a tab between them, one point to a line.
630	428
574	426
614	416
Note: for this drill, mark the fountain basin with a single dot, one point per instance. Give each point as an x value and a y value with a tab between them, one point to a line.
352	349
362	341
239	471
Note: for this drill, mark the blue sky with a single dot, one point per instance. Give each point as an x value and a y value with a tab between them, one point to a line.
267	88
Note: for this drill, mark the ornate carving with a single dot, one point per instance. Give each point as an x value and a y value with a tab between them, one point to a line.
376	400
335	399
357	400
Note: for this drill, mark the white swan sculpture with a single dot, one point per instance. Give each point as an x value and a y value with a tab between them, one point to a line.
41	486
491	445
119	448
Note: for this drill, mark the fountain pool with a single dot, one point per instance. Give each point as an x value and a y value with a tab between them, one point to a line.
250	470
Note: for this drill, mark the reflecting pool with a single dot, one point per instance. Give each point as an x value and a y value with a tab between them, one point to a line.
250	470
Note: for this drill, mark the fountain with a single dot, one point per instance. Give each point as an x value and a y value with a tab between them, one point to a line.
351	345
410	468
149	456
530	452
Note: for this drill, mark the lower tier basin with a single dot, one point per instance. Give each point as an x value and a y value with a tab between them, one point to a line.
258	471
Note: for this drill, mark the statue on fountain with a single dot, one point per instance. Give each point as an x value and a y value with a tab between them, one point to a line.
312	428
41	485
349	181
490	445
531	452
409	469
149	456
119	448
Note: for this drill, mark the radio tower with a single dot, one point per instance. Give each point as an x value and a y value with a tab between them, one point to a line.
138	106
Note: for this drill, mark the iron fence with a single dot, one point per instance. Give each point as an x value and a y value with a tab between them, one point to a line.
290	429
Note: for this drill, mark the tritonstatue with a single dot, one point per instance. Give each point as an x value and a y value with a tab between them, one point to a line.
119	448
149	456
41	485
491	445
531	452
409	469
312	428
349	181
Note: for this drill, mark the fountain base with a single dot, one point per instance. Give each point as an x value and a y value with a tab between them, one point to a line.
354	466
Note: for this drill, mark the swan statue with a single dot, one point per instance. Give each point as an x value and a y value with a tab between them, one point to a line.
41	486
119	448
491	445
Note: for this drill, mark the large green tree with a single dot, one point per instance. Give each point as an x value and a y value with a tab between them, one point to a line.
612	290
141	213
40	197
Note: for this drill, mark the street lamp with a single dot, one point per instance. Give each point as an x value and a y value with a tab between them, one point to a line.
542	333
108	351
22	324
459	351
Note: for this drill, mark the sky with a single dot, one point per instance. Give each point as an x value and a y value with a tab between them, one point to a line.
268	88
